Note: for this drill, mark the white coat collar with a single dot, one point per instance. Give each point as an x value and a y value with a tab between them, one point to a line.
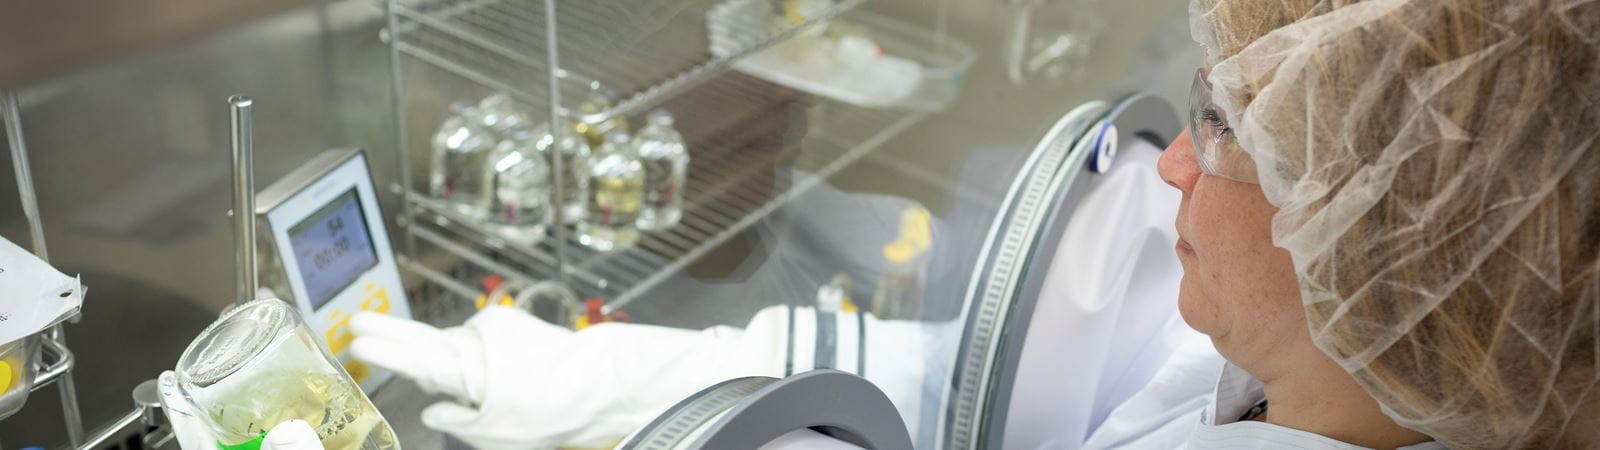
1237	391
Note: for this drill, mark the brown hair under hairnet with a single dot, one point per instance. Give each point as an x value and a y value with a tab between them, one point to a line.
1438	180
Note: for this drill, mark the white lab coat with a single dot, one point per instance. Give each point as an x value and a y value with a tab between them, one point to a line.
1195	401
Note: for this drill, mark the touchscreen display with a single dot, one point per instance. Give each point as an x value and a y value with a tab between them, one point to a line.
332	247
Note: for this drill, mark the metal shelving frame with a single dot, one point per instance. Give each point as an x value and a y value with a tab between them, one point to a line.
59	370
488	42
56	361
496	45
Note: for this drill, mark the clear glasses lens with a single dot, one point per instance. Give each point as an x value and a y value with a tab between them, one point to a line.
1208	128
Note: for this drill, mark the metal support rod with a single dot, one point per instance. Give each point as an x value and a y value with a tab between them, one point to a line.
244	198
441	279
30	208
397	99
70	411
558	129
112	429
19	163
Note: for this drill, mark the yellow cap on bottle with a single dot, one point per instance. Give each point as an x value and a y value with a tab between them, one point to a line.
915	228
898	252
6	372
791	12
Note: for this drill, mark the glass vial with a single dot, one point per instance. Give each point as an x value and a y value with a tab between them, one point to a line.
520	209
616	185
519	203
666	163
500	114
461	148
600	99
575	156
898	295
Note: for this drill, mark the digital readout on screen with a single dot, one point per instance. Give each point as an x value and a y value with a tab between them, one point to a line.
332	247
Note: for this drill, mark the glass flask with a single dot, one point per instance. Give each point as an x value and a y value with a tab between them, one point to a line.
520	209
519	176
259	365
500	114
599	99
461	149
666	163
616	185
574	156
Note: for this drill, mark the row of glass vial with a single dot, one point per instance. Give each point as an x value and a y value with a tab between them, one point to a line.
492	164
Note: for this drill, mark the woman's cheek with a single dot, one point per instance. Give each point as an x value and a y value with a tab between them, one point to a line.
1207	296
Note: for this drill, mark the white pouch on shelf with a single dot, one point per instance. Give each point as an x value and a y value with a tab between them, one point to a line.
851	69
36	295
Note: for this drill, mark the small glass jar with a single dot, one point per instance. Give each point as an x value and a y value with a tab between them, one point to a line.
259	365
461	149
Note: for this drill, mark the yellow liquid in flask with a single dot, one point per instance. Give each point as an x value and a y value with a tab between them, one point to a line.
342	417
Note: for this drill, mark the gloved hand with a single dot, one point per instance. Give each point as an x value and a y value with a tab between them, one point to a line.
292	435
522	383
448	361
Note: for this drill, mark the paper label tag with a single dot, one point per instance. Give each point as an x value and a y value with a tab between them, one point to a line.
37	296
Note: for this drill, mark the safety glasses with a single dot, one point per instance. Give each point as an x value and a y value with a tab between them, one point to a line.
1214	146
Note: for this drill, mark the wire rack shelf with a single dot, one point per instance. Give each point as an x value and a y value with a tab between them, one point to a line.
646	51
739	174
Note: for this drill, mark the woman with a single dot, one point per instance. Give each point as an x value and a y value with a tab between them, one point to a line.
1389	228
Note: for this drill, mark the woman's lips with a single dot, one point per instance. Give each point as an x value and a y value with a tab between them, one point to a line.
1183	247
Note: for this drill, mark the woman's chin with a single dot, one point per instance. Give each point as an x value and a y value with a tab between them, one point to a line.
1196	310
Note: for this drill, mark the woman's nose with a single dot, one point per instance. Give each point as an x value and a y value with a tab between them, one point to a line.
1177	165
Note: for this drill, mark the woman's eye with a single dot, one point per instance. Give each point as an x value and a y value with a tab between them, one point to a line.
1214	121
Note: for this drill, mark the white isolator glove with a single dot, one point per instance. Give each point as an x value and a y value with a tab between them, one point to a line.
292	435
522	383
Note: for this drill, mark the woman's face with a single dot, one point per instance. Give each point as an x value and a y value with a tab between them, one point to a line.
1237	287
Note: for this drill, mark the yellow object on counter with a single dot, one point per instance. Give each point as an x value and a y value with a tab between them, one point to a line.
505	300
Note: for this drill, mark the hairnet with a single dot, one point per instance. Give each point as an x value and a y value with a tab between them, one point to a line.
1436	171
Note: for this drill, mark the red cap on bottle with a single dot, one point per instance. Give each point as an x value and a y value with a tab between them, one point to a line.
491	282
592	308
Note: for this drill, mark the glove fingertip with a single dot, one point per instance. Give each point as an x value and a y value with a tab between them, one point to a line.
371	323
292	435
